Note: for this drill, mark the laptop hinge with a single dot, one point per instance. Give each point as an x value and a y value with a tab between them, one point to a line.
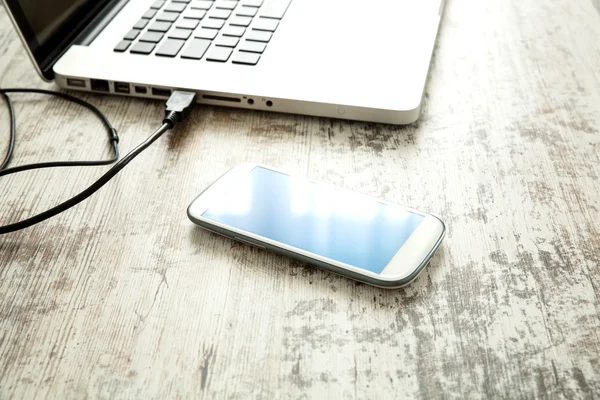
97	25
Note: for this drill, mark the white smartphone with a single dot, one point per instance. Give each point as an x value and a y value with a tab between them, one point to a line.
348	233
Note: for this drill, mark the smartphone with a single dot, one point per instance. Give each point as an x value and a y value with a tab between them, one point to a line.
349	233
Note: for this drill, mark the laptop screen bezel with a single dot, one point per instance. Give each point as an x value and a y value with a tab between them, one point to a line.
46	55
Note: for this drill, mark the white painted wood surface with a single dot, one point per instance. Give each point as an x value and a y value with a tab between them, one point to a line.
122	297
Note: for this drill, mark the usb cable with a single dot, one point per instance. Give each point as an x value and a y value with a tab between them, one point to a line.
178	107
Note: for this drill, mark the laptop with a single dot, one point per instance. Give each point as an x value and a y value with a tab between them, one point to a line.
362	60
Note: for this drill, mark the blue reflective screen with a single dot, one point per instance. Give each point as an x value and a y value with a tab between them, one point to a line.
330	222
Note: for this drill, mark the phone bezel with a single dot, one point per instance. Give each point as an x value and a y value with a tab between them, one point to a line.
404	266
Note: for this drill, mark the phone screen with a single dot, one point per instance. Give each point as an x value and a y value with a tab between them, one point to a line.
333	223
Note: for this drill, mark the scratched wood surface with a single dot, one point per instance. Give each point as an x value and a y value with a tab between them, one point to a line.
122	297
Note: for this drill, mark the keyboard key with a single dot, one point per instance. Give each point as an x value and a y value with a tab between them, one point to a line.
236	31
206	33
240	21
196	49
246	58
220	54
253	47
182	1
219	14
213	23
132	34
157	4
149	14
167	16
141	24
170	48
176	7
226	4
275	9
183	34
159	27
123	45
188	24
246	11
202	4
253	3
227	41
259	36
142	48
152	37
265	24
194	14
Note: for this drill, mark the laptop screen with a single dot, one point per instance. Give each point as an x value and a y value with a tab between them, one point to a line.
46	18
48	27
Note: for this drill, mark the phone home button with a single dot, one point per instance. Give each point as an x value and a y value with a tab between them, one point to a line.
239	239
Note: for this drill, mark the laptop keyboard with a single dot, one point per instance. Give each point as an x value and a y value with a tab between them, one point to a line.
213	30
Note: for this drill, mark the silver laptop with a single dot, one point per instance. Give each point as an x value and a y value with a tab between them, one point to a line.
353	59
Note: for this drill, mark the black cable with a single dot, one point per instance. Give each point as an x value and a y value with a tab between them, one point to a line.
112	135
178	108
90	190
13	133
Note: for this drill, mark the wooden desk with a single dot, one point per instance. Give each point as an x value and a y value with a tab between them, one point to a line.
122	297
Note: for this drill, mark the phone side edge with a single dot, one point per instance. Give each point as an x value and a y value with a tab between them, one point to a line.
314	262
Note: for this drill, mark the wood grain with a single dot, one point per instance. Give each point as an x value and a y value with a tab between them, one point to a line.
122	297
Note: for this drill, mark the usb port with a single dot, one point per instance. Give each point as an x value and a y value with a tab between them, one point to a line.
122	87
80	83
161	92
100	85
141	90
